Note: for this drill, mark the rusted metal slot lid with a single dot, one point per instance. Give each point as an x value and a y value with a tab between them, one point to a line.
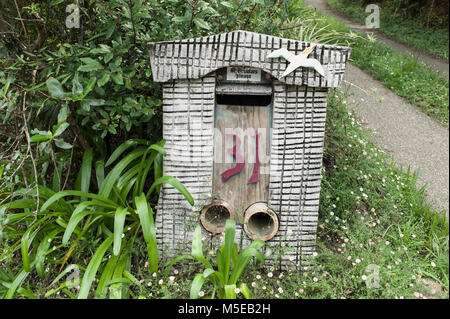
214	216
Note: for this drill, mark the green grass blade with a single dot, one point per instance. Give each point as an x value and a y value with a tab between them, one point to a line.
143	168
130	277
20	204
242	261
199	280
234	254
64	272
245	291
220	264
175	183
102	288
62	194
158	169
63	287
100	172
127	180
116	288
230	292
86	166
119	221
42	251
152	245
158	152
158	148
145	213
196	286
79	213
230	229
69	293
123	180
116	172
27	239
126	189
24	251
197	247
21	291
92	268
123	147
16	283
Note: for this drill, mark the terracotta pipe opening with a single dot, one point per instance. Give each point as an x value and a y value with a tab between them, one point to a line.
214	216
260	222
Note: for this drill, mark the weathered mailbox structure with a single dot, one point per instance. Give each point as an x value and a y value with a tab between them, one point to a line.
244	128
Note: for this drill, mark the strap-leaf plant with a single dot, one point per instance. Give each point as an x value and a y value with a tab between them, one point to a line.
230	264
112	218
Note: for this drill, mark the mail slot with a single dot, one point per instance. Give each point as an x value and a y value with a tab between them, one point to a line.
244	121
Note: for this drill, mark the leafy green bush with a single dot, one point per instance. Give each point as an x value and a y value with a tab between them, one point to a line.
97	78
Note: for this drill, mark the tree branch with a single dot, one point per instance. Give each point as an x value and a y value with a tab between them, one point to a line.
20	17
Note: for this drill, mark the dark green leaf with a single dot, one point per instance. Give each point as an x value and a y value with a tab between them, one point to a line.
39	138
89	65
103	80
60	128
202	24
90	86
77	87
117	78
55	88
92	268
61	144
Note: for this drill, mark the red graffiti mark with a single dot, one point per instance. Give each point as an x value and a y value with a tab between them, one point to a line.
255	175
239	159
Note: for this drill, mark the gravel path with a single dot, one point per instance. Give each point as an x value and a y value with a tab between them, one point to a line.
401	129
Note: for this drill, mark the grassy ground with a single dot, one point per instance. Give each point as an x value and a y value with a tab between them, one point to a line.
410	32
374	227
